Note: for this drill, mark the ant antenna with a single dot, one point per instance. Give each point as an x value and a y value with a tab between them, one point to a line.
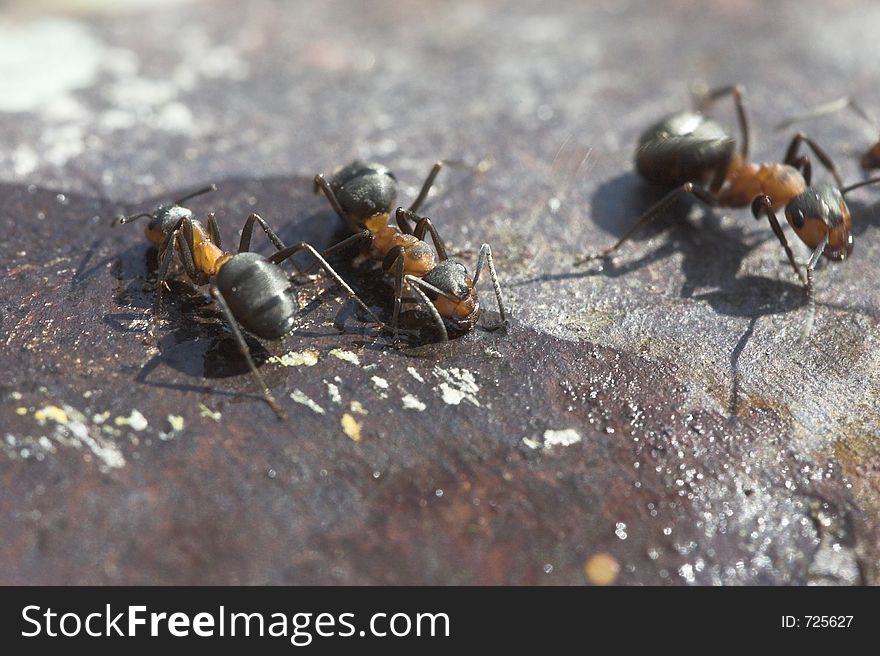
863	183
830	108
181	201
128	219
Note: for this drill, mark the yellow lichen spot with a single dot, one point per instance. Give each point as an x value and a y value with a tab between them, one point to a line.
296	359
176	422
356	407
21	411
601	569
346	356
205	411
351	427
52	412
135	420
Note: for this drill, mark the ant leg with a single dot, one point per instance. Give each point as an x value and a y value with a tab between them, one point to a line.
288	252
486	254
323	185
214	231
805	166
650	215
426	186
423	224
244	244
829	108
186	256
246	352
737	91
764	204
396	259
814	260
341	246
347	243
166	254
416	284
792	153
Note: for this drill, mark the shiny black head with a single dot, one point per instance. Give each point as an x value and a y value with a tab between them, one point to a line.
819	211
366	193
458	305
450	276
684	147
165	219
256	291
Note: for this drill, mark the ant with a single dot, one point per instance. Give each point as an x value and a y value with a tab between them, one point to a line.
689	151
362	194
870	160
250	289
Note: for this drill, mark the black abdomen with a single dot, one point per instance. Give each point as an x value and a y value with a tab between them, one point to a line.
685	147
256	291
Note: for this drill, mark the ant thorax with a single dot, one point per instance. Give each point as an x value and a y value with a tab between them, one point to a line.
747	180
418	257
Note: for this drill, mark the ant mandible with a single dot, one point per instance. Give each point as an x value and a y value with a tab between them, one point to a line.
250	289
870	160
693	153
362	195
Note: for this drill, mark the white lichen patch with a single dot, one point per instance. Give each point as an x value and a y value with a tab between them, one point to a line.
333	392
415	374
458	385
205	411
381	386
356	407
300	397
553	438
69	429
100	417
346	356
176	422
135	420
564	437
412	402
297	359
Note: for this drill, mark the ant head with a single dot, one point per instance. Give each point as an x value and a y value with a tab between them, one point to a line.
366	193
458	304
871	159
819	211
165	219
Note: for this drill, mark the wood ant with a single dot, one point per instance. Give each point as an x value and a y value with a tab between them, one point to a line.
362	194
694	154
870	160
250	289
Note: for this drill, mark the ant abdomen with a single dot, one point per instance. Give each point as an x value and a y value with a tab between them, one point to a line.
684	147
255	290
364	189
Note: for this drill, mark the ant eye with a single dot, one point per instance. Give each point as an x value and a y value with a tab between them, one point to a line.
797	219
